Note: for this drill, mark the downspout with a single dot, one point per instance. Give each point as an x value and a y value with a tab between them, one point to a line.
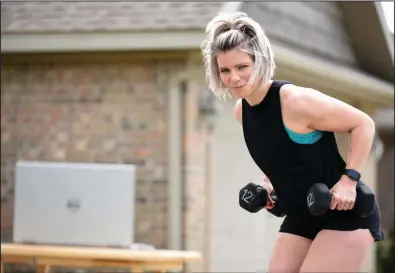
174	166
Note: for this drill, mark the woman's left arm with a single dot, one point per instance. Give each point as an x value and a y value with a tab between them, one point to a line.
322	112
325	113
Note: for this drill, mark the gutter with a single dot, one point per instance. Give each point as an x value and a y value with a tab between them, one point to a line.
333	78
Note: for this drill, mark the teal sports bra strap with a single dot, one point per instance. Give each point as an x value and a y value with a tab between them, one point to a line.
308	138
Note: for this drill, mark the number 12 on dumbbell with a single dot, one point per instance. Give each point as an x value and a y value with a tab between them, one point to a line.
248	196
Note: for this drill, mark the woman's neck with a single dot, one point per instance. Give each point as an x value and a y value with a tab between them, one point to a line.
257	96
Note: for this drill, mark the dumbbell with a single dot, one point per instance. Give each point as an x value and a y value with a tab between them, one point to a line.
253	198
319	198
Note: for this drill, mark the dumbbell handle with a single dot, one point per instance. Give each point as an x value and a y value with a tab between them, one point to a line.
275	210
364	203
273	196
362	191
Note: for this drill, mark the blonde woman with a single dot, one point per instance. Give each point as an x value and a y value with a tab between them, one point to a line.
289	132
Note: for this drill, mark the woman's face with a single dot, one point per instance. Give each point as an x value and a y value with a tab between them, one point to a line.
235	68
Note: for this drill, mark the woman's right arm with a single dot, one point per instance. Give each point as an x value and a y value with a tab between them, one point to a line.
266	183
268	186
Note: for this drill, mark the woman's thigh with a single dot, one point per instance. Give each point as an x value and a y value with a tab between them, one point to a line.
289	253
338	251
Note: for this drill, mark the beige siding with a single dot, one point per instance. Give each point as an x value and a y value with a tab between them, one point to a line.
241	241
386	183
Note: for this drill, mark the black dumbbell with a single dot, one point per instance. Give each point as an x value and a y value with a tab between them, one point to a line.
319	198
253	198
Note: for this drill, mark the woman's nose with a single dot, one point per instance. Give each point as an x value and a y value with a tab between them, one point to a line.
235	77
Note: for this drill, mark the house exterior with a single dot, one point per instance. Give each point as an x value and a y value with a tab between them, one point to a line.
123	82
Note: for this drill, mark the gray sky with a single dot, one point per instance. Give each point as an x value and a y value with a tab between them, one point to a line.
388	8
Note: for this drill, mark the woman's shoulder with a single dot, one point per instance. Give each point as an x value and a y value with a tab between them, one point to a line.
292	93
301	101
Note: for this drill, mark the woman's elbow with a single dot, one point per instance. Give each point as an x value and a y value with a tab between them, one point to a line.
369	124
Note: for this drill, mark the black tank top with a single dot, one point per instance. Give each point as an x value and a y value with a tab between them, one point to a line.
291	167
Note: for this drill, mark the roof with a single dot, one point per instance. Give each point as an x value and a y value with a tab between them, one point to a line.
34	17
371	39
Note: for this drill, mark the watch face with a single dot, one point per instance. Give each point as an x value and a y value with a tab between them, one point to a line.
353	174
352	177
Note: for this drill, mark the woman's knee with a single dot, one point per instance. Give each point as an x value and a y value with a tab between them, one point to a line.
289	253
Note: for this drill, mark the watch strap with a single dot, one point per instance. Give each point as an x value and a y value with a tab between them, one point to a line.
353	174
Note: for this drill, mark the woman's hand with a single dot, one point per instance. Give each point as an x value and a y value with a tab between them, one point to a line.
268	186
344	194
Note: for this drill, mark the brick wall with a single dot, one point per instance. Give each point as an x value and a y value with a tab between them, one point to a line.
90	112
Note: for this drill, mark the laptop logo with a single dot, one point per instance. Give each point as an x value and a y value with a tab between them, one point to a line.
73	204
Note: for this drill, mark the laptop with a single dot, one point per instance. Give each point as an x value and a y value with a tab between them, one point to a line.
79	204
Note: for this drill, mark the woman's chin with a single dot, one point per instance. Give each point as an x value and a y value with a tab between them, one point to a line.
240	93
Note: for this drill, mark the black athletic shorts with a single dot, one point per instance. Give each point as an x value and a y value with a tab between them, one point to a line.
308	225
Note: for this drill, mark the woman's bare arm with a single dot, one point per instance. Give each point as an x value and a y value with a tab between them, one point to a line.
322	112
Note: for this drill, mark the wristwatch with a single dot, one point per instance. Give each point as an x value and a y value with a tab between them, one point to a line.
352	174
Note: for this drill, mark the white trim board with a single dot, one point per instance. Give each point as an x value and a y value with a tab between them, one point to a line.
99	41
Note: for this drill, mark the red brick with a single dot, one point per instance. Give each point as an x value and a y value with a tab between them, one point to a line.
113	113
60	118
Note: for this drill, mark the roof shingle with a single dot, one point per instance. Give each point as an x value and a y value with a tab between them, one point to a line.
29	17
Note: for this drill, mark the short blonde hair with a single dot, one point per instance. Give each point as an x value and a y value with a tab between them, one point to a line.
236	31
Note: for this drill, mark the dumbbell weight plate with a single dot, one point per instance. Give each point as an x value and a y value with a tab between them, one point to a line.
252	197
365	203
316	201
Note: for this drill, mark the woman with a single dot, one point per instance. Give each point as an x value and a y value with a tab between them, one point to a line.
289	132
